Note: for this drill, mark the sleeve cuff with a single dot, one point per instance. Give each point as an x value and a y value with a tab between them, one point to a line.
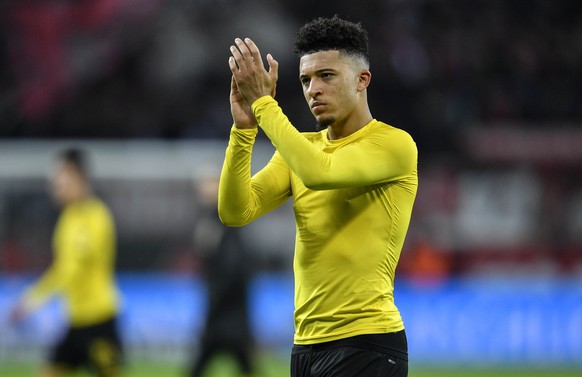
243	135
261	101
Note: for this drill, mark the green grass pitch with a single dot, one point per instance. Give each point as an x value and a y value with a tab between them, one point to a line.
269	366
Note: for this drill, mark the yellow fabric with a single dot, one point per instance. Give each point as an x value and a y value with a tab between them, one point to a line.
83	266
353	199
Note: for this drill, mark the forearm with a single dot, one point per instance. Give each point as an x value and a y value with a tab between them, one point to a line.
234	192
385	154
242	197
49	284
308	162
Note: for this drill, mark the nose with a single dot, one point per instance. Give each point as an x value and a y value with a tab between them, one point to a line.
313	90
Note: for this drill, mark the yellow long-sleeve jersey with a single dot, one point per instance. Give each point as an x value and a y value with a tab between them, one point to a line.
83	264
353	200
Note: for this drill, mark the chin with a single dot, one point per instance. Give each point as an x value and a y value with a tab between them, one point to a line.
323	123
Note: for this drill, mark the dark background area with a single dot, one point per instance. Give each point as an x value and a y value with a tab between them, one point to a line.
487	88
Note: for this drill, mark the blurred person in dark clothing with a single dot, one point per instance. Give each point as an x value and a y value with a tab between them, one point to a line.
82	272
226	270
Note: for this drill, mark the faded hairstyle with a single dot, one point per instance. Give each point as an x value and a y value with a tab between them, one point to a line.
324	34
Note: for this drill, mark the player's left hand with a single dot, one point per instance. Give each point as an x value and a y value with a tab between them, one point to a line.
242	115
252	79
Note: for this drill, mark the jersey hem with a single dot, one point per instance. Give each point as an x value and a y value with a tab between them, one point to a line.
329	338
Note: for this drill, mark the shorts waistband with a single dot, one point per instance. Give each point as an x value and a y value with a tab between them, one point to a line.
392	343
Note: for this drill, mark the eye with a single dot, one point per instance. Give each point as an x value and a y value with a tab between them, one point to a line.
326	75
304	81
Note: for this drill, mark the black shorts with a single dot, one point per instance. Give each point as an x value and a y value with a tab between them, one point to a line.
97	347
374	355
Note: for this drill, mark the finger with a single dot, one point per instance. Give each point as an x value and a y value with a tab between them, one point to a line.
273	67
273	72
254	51
233	65
238	57
244	51
233	86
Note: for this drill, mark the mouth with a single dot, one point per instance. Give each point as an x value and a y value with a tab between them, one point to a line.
317	107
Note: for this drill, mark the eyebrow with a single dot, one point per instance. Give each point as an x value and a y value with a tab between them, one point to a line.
319	71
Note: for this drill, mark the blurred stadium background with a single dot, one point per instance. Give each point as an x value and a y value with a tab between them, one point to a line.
491	276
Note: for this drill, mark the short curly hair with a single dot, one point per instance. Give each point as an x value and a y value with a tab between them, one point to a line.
323	34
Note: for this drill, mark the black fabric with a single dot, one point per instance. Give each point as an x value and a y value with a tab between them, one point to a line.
227	273
227	277
97	347
374	355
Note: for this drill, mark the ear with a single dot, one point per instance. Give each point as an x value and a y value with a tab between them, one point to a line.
364	80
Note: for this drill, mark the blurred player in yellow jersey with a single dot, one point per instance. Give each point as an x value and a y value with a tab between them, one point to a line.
82	272
353	185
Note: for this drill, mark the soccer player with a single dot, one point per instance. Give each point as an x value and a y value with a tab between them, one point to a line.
353	184
83	273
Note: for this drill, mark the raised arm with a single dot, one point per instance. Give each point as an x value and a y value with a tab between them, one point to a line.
241	196
385	155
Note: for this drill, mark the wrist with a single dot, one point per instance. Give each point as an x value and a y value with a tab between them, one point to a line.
260	101
245	126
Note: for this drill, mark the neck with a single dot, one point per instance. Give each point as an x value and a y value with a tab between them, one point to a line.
341	129
79	197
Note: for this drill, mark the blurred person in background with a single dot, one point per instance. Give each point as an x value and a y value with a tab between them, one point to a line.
353	183
226	268
82	272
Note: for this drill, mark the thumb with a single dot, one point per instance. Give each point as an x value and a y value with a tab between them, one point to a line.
273	72
273	67
233	86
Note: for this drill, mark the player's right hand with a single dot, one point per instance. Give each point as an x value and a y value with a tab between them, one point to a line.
242	114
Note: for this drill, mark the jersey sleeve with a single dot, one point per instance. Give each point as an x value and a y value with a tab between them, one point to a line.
68	262
243	197
380	157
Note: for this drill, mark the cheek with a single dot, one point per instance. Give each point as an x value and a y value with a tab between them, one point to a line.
346	94
63	185
59	190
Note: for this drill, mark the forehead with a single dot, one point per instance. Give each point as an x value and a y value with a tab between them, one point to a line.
321	60
65	169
